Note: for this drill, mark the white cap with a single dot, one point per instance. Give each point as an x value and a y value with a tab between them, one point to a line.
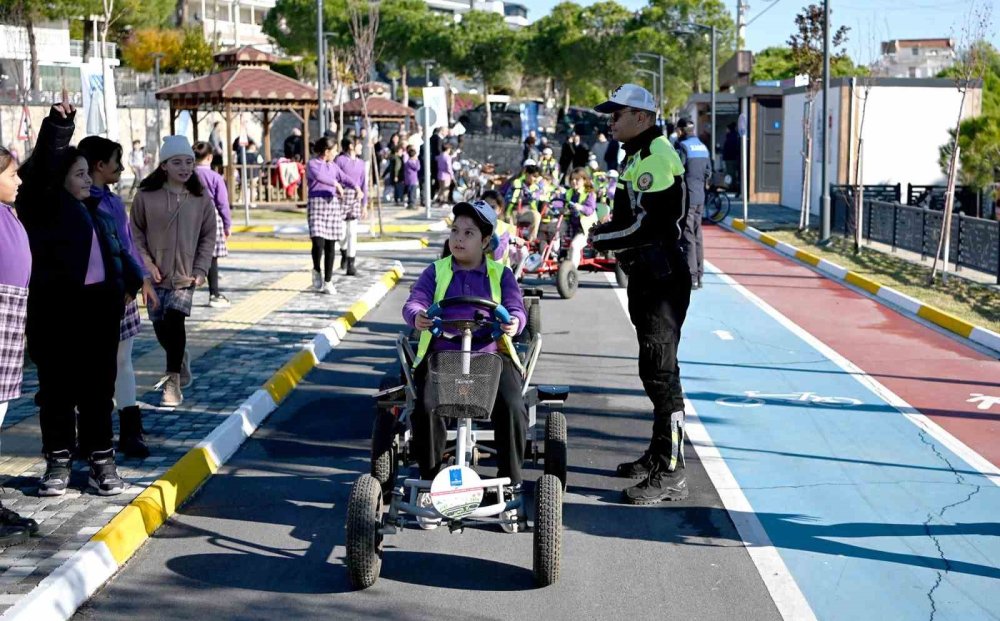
174	146
547	151
530	162
628	96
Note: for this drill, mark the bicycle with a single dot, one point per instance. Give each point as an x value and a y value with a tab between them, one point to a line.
717	203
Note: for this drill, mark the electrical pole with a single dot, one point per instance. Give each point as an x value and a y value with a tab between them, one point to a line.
156	78
320	68
824	234
663	104
742	7
714	89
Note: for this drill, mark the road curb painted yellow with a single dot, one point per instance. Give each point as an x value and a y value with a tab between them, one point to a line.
57	597
303	245
886	295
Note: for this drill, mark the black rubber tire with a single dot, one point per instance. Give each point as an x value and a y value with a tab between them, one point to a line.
567	280
621	277
555	446
548	531
385	461
364	543
534	319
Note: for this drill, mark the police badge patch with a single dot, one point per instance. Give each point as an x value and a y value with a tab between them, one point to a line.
645	181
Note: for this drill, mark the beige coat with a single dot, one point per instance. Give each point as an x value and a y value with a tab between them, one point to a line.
177	239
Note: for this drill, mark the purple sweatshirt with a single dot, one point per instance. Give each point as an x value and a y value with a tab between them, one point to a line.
15	253
112	205
411	170
354	169
324	177
444	166
473	282
215	188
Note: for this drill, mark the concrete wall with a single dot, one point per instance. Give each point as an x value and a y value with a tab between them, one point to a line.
794	145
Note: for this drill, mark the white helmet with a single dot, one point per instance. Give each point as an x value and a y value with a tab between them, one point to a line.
530	162
613	174
547	151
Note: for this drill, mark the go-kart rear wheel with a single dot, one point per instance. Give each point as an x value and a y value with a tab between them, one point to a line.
548	530
534	319
555	446
567	280
620	276
385	452
364	542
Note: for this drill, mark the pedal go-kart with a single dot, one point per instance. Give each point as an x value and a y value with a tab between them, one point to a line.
548	255
462	388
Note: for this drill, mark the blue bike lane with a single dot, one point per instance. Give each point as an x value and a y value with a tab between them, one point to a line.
869	516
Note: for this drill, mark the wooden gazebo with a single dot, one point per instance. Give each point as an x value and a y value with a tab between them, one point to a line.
244	83
380	109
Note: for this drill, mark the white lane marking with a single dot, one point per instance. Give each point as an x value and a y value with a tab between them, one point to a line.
784	591
972	458
722	334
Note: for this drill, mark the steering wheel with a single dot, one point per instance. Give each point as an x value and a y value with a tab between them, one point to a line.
496	316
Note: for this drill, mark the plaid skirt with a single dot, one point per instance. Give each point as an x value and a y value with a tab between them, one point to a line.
352	204
326	217
221	249
130	321
179	300
13	313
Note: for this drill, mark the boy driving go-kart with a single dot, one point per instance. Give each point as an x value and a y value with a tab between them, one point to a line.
468	272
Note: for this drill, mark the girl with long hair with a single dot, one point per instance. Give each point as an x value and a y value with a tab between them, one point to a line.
173	224
581	201
325	211
355	199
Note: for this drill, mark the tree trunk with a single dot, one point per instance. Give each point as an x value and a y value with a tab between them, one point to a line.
182	13
406	87
486	100
29	25
949	197
565	97
109	8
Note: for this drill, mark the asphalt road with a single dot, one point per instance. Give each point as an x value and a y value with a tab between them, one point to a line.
264	539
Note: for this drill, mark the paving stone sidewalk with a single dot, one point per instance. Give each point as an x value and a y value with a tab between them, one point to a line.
231	358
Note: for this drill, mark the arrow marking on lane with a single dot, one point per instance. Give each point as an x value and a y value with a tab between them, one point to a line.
983	402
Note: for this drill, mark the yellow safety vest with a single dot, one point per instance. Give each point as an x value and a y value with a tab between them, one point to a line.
443	274
501	228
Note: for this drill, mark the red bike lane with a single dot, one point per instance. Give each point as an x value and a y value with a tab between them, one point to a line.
934	373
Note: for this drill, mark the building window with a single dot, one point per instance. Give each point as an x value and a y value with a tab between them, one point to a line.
913	72
58	78
916	51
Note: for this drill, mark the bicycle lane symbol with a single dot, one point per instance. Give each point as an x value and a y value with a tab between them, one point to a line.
756	398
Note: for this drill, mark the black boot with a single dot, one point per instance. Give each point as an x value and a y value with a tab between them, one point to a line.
659	486
12	525
638	469
351	271
130	440
343	258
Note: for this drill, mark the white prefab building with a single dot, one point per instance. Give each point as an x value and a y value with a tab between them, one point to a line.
905	123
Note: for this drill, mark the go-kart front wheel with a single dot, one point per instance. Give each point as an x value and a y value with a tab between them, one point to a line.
555	446
567	280
385	452
548	530
364	542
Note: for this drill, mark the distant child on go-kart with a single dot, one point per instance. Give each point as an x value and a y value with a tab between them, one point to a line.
469	272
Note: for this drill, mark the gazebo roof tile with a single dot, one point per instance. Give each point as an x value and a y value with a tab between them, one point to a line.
379	107
241	84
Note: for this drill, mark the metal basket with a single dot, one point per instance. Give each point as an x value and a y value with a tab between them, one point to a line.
452	394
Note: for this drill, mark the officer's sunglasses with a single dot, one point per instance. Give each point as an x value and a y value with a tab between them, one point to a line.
617	114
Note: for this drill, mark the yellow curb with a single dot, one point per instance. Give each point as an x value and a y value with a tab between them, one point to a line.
946	320
406	228
288	376
860	281
767	239
128	530
269	244
811	259
133	525
253	228
739	225
424	242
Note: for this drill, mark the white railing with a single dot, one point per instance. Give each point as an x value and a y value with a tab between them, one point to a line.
76	49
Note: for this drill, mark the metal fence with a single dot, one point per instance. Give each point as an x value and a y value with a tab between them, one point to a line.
975	242
967	200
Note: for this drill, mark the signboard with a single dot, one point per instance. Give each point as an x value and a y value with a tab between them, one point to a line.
434	98
427	117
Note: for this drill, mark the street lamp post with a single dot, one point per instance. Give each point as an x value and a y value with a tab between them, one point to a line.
713	32
156	80
320	68
640	56
652	73
824	216
427	71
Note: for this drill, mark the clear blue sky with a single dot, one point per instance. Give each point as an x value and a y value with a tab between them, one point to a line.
867	19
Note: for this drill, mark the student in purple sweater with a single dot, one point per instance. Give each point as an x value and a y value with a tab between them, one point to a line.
325	211
215	188
411	177
105	160
356	203
444	175
15	272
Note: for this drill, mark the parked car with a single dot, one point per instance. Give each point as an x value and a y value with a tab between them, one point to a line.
584	121
506	118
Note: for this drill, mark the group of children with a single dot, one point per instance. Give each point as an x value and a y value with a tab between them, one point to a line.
72	263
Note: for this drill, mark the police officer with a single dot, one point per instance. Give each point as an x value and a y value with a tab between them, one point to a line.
644	232
697	170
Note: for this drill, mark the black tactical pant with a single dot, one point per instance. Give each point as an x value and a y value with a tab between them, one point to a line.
691	242
657	308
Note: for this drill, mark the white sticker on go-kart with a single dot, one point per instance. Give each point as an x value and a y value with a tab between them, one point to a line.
456	492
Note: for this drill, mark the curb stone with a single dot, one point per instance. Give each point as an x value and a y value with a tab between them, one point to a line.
977	334
58	596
